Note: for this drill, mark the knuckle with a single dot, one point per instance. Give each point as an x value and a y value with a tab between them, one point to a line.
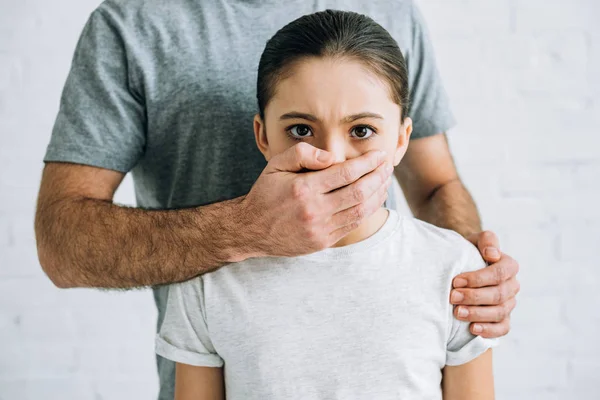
503	312
517	286
472	296
307	216
352	226
358	194
300	149
500	273
474	313
300	189
476	279
514	263
499	296
505	327
358	213
499	315
488	236
346	175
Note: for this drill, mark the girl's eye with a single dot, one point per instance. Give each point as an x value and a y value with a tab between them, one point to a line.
362	132
300	131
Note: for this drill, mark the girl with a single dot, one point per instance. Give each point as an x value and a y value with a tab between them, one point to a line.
368	318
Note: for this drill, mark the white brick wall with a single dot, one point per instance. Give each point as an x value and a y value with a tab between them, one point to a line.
522	76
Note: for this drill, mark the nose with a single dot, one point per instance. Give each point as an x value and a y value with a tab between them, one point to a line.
335	146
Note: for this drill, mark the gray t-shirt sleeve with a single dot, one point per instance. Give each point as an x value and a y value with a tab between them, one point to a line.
462	345
101	120
184	336
429	105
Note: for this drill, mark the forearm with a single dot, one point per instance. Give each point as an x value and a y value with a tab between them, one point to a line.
450	206
95	243
471	381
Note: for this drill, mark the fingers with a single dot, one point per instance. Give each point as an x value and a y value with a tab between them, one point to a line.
486	314
300	156
488	244
347	220
349	171
491	330
360	191
505	269
491	295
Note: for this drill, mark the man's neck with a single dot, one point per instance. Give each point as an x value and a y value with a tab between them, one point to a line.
366	229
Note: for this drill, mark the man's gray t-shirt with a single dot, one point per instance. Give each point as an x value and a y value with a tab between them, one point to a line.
166	90
370	320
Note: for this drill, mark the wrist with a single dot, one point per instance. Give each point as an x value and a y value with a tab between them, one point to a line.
230	227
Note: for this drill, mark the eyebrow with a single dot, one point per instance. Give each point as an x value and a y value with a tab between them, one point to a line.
347	119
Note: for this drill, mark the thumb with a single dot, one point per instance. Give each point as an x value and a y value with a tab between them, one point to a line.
301	156
488	245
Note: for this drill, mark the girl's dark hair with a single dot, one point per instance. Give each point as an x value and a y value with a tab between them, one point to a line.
339	34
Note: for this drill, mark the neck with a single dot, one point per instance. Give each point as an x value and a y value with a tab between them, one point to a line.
366	229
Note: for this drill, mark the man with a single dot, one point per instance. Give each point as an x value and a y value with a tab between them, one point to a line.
165	90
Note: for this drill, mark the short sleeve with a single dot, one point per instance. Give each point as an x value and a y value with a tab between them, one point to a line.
462	346
101	119
429	104
183	336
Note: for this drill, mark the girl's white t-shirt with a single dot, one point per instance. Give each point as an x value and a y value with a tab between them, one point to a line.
371	320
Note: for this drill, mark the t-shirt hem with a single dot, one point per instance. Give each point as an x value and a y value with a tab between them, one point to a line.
87	155
170	352
470	351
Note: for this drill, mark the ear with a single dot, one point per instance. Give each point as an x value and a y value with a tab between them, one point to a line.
403	139
260	135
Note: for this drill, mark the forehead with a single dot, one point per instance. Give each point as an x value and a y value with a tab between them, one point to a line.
330	86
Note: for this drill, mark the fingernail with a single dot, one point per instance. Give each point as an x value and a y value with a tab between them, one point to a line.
477	328
463	312
491	252
457	297
460	282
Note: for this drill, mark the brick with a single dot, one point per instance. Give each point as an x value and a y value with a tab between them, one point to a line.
22	232
37	326
20	262
492	16
6	239
21	294
515	213
11	73
584	376
579	243
557	63
70	387
39	360
536	250
544	394
536	311
98	324
130	358
124	389
513	374
544	179
533	16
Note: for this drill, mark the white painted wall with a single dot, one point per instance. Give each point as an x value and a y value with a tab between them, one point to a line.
523	79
